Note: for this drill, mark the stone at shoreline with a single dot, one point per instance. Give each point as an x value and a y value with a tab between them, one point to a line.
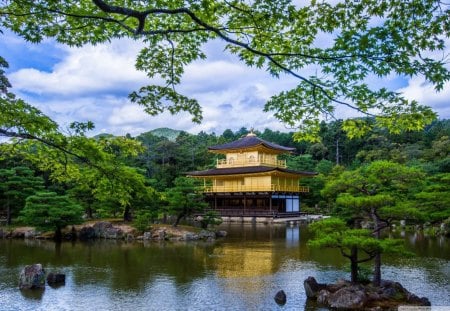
113	233
86	233
395	290
32	277
352	297
56	278
107	230
280	298
189	236
159	234
101	227
207	235
179	234
344	295
147	236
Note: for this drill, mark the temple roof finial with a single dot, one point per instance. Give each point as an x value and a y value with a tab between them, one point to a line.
251	133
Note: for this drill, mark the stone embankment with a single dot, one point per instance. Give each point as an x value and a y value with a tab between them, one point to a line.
344	295
108	230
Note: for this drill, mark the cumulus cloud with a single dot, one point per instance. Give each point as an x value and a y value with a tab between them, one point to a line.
88	70
423	92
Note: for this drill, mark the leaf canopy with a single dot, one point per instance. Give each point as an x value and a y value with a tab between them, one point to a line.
333	50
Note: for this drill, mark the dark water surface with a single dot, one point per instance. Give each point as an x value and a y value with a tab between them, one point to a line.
241	272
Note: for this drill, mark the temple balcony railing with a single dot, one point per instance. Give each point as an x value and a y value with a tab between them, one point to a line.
224	163
256	188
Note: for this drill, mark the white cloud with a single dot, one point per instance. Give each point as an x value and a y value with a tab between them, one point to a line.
423	92
91	69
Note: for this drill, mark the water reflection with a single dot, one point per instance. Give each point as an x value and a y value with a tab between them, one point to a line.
292	236
33	294
241	272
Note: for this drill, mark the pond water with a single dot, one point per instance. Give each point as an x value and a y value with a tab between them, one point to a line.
241	272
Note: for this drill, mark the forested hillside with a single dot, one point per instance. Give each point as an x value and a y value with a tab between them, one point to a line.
130	177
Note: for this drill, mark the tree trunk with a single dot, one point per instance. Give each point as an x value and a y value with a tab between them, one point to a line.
337	151
8	215
354	265
179	217
377	270
377	262
127	214
89	211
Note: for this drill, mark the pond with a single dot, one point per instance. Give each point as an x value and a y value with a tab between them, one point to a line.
241	272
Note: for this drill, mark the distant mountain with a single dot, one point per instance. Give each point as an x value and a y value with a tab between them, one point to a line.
170	134
103	135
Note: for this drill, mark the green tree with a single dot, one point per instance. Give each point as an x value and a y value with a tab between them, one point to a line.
357	245
369	38
376	192
16	184
184	198
434	199
50	211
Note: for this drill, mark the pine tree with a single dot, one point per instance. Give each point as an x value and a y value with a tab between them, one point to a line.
184	199
50	211
16	184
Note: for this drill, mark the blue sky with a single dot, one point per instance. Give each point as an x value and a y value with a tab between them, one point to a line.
92	83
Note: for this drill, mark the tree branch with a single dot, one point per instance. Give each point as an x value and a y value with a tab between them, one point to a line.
139	15
49	143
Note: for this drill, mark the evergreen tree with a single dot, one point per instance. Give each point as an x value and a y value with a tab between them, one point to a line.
376	192
16	184
357	245
50	211
184	199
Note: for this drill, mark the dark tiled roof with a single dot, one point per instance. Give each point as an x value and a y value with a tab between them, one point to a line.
246	170
250	141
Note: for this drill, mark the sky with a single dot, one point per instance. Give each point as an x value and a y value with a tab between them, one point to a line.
92	84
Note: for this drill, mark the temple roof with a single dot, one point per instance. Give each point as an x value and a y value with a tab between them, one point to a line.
249	141
246	170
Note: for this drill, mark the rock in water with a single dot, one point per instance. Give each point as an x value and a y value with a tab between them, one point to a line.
312	288
280	298
56	278
349	298
32	276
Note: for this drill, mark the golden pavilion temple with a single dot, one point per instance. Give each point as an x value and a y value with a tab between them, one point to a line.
252	181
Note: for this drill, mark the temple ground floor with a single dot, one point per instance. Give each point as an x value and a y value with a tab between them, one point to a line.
255	204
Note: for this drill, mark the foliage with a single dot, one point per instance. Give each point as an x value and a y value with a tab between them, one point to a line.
434	199
184	198
16	184
334	233
168	133
367	38
378	192
357	245
210	218
50	211
143	219
373	186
